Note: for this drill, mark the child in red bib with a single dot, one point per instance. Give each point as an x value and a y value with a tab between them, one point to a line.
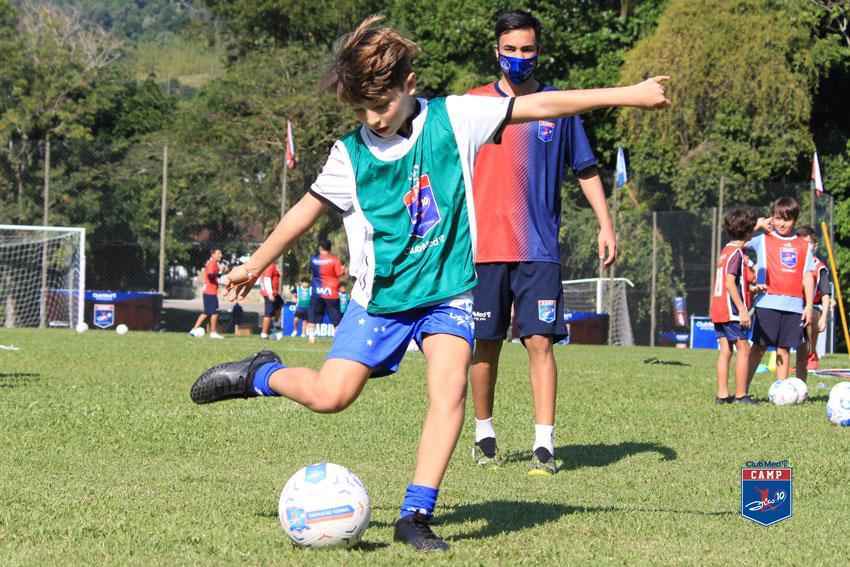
730	305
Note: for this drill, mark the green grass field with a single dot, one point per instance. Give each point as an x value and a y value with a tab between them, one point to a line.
105	460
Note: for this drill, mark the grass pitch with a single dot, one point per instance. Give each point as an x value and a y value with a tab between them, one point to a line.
105	461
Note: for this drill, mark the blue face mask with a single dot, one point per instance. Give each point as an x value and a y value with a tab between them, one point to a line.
517	69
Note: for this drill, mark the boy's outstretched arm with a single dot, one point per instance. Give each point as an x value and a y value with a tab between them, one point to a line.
293	224
558	104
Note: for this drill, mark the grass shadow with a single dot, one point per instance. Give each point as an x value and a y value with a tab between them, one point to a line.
575	457
654	360
15	379
361	545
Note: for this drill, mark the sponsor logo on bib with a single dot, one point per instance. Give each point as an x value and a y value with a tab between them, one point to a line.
422	207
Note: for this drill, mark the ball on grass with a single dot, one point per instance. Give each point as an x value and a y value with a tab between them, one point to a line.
121	329
82	327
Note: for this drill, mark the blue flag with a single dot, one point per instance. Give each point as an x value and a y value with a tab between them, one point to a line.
620	175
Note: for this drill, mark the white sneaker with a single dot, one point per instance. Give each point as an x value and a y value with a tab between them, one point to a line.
263	336
294	334
215	336
311	339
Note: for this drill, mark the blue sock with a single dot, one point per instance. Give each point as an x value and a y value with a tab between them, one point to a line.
420	499
261	378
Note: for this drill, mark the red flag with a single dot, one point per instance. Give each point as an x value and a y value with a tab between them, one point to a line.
817	182
291	159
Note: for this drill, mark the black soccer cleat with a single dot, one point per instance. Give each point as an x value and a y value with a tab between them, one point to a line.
230	380
416	531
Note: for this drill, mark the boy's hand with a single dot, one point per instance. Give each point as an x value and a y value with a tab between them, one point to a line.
822	322
241	282
650	93
807	315
607	242
764	223
745	319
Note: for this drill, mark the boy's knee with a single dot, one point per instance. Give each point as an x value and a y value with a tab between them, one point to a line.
331	403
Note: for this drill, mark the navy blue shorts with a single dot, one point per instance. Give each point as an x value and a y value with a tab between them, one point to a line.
776	328
320	305
533	288
210	304
272	305
731	331
302	313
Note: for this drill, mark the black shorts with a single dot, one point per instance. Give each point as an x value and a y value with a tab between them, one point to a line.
533	288
776	328
272	305
302	313
210	304
320	305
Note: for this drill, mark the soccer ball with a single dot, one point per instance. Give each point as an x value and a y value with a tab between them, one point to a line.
324	505
122	329
802	389
838	406
82	327
782	393
197	332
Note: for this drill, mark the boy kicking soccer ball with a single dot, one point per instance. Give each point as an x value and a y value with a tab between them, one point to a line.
403	183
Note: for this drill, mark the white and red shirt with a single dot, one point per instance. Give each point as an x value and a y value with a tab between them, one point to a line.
211	277
270	282
731	262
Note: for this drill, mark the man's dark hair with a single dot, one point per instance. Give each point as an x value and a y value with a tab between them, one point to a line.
739	223
809	231
517	20
325	244
786	208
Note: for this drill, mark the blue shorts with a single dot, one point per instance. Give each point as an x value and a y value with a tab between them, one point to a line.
321	305
533	288
272	305
302	313
380	341
776	328
210	304
731	331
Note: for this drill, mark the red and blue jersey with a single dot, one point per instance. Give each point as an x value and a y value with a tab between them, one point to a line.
517	186
326	270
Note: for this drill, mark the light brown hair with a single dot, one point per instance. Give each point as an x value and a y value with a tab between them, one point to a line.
369	62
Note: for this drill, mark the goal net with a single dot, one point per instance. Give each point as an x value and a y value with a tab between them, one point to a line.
602	295
42	276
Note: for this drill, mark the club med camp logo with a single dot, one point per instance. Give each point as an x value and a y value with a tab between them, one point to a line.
788	257
766	491
546	310
421	206
545	130
104	315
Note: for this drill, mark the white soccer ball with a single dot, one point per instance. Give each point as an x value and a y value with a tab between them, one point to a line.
802	389
781	393
324	505
82	327
838	405
197	332
122	329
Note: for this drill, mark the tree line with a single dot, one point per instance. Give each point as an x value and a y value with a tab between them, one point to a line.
757	85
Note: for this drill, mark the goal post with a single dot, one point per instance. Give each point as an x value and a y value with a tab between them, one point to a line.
42	276
602	295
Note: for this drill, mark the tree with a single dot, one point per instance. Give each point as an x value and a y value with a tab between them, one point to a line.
742	82
61	57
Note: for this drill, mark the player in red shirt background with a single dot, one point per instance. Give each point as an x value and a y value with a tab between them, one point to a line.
730	306
270	290
212	270
326	270
807	354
